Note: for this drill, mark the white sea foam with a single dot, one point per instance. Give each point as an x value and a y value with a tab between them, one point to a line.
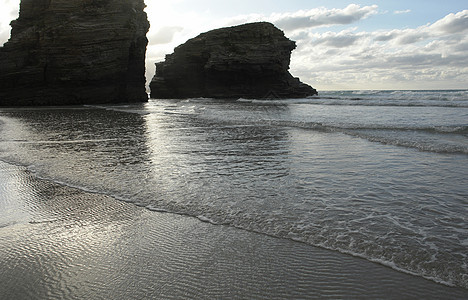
157	209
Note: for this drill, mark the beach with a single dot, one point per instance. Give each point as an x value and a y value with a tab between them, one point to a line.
233	150
351	194
58	242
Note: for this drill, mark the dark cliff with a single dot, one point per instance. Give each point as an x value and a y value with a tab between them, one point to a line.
64	52
246	61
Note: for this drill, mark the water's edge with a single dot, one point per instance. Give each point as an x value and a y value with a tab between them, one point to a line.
211	222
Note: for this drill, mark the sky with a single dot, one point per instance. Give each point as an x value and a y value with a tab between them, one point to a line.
341	45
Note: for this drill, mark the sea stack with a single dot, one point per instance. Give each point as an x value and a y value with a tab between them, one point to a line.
66	52
246	61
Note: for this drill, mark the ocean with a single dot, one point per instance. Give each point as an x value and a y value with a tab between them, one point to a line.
379	175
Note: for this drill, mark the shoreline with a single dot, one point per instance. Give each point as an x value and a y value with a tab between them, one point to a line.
203	219
61	242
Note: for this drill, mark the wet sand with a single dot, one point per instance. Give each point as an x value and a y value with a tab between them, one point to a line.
58	242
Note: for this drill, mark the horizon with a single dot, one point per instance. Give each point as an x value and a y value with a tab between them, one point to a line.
396	90
341	45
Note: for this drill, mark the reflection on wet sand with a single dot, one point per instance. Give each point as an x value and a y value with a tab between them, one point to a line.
62	243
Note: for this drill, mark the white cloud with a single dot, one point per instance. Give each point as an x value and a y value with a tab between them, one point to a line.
313	18
342	39
164	35
322	17
399	12
452	23
9	12
4	34
443	28
429	56
406	37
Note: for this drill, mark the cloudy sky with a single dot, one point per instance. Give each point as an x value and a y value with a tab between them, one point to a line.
394	44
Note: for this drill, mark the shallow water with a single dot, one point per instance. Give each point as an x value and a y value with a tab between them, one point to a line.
63	243
377	175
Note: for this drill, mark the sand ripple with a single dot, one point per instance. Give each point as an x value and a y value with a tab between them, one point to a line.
69	244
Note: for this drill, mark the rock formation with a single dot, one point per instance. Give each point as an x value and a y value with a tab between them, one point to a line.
246	61
65	52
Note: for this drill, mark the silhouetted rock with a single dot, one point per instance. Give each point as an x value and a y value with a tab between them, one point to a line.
246	61
75	51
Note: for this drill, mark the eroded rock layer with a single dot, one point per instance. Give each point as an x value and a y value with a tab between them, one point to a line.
246	61
64	52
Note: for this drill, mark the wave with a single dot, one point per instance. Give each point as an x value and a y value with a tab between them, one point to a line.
427	139
329	100
438	139
450	95
417	142
406	98
121	108
455	129
83	141
457	98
